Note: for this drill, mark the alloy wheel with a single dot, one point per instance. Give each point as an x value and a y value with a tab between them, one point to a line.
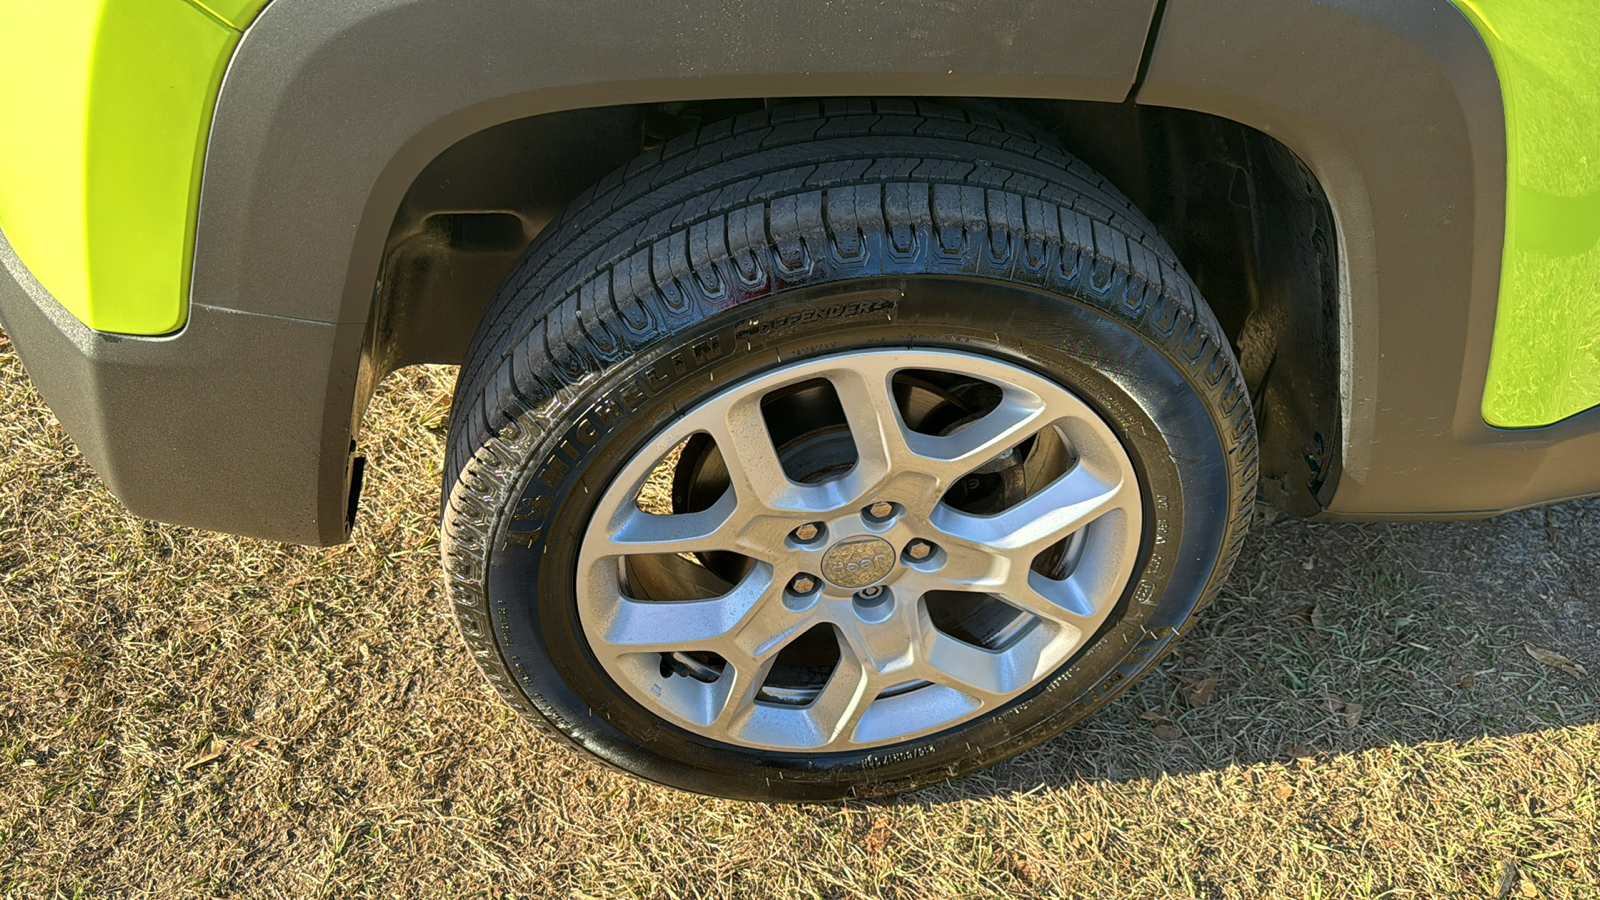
858	549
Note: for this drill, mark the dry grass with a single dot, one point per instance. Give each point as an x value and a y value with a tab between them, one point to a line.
187	714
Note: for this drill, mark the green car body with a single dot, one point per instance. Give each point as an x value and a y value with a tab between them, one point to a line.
115	100
155	200
1546	359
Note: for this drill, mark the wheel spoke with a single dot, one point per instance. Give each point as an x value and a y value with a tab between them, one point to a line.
982	674
1061	508
874	419
713	528
767	630
1018	417
886	447
890	647
637	626
735	701
752	461
844	699
1065	602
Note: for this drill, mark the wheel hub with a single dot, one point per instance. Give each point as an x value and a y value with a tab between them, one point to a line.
857	562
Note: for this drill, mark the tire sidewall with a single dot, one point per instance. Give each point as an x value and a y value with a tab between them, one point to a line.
518	511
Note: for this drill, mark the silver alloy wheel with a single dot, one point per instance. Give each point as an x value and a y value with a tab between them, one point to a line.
897	674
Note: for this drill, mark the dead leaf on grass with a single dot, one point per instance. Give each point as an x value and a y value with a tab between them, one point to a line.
1510	880
1024	868
1203	691
1555	660
1301	617
877	836
1151	715
218	747
1333	703
216	751
1167	733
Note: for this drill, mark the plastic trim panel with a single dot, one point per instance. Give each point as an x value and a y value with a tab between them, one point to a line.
229	424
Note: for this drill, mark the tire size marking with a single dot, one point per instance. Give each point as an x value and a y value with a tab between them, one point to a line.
1145	593
1112	409
875	760
1092	355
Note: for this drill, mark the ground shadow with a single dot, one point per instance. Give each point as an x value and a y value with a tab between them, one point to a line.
1338	638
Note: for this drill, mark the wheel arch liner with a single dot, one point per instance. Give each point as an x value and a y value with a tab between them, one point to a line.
1410	147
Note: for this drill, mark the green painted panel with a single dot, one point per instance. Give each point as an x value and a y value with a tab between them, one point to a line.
45	63
1545	362
236	13
107	106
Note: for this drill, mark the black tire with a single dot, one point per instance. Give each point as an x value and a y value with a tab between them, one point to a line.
775	237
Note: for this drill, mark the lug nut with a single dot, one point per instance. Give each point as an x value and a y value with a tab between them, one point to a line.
806	533
874	605
919	549
803	584
883	509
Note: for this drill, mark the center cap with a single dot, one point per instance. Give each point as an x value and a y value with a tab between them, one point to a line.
857	562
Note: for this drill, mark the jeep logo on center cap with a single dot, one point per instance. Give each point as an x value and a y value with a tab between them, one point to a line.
857	562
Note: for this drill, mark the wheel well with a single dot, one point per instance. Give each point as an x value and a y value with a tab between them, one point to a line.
1247	219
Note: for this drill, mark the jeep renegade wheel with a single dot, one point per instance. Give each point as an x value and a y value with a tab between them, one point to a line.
840	451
